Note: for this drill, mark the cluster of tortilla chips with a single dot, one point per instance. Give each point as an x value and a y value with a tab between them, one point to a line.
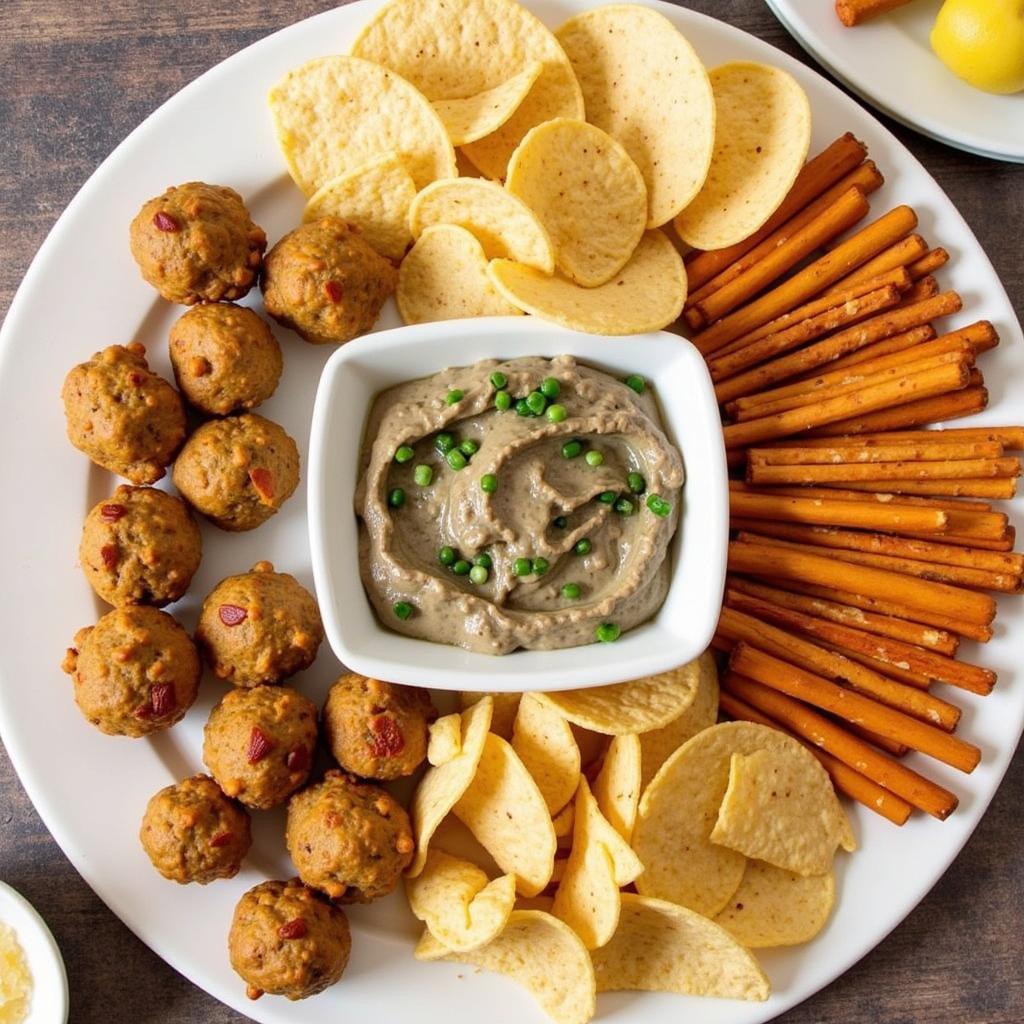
542	812
533	171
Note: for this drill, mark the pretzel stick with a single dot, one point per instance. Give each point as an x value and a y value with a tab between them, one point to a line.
854	454
931	261
1011	438
893	321
842	408
936	409
921	290
856	12
810	281
1005	543
904	782
796	682
901	254
845	779
846	615
998	489
817	175
883	472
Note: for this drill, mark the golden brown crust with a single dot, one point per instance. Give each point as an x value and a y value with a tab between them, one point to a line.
325	282
197	243
125	418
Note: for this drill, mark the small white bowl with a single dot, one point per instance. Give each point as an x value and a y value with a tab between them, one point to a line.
49	981
684	624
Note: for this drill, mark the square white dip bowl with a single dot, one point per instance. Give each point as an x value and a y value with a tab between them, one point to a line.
360	370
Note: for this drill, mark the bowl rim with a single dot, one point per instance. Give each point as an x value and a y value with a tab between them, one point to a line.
646	649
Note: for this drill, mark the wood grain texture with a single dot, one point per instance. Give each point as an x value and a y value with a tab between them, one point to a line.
76	78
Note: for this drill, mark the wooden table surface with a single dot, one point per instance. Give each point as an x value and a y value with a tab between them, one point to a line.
75	77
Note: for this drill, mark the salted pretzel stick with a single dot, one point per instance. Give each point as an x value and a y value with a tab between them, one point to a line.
909	451
856	12
920	290
999	489
1011	438
931	261
937	409
844	473
901	253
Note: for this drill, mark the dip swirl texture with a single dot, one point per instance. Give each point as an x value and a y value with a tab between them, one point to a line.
535	529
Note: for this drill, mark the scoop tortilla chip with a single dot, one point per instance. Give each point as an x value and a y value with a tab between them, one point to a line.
780	807
679	809
333	114
644	85
445	740
661	947
563	821
506	707
441	787
375	199
773	907
457	902
506	812
617	786
586	191
545	744
504	225
444	277
646	295
472	117
761	139
637	706
599	864
542	954
657	745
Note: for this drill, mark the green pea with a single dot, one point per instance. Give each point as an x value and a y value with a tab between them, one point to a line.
561	522
522	567
461	567
469	447
444	443
402	609
454	397
625	507
478	575
549	387
404	453
636	382
483	559
456	459
557	413
583	546
540	566
659	506
594	458
423	476
572	449
488	483
446	556
523	407
571	591
396	498
608	632
503	401
637	484
607	497
536	402
499	380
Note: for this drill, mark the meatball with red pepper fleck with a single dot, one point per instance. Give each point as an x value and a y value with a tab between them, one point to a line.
197	243
258	744
225	359
259	627
351	840
287	940
140	546
193	833
325	282
126	419
135	672
238	471
375	729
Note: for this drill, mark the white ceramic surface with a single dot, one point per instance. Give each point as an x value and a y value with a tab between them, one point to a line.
889	62
686	621
49	1003
83	292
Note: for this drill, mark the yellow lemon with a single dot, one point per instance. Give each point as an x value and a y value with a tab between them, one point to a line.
982	41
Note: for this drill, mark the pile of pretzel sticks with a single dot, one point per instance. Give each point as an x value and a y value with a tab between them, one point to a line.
865	548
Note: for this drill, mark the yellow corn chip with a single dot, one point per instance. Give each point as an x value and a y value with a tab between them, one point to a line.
457	902
661	947
545	744
333	114
617	786
563	821
504	225
445	740
644	85
506	812
444	277
763	131
780	807
472	117
506	707
646	295
586	191
542	954
441	787
773	907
